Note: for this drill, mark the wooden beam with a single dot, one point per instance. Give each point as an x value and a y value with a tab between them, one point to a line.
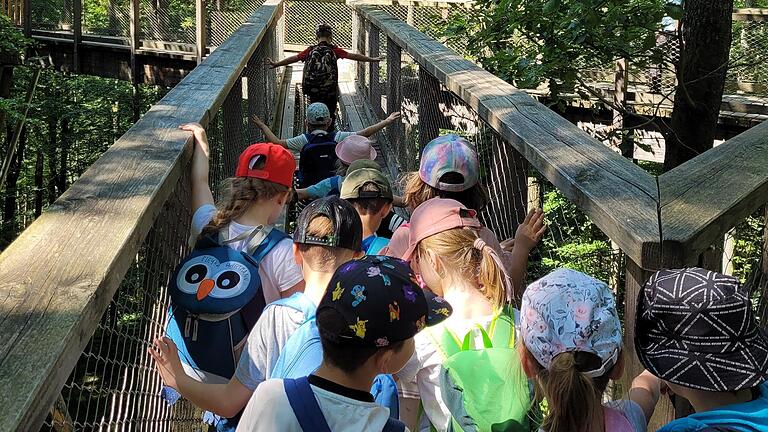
394	95
200	30
374	87
618	196
721	187
93	232
77	33
27	17
750	14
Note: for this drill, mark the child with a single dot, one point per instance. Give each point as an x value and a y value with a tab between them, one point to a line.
319	163
571	347
455	263
370	192
254	197
328	234
320	81
449	168
696	331
367	320
348	150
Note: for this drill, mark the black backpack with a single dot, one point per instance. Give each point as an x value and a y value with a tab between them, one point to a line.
317	160
321	74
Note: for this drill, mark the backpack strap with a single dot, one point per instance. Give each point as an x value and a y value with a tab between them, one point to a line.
260	245
335	186
304	405
445	341
393	425
502	328
299	302
376	245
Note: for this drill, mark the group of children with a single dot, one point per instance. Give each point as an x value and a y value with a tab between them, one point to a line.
349	331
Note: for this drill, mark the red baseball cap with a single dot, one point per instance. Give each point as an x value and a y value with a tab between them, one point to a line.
279	163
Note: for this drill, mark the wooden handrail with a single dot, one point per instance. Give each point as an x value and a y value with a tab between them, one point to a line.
58	277
658	222
616	194
750	14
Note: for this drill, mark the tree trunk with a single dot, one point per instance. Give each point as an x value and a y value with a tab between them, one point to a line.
61	183
706	44
53	125
10	228
6	84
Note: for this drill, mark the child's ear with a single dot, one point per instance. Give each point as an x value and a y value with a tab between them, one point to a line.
297	254
618	368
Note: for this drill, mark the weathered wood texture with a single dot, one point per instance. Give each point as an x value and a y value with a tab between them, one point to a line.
374	87
617	195
91	235
200	34
720	187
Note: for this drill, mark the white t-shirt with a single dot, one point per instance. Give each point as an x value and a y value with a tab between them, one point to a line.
420	378
269	410
265	342
278	270
299	141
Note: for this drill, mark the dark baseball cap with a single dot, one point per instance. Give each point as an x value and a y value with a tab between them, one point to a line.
362	172
347	228
376	301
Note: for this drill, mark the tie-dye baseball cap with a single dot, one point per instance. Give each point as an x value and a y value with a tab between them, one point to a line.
374	302
449	154
567	310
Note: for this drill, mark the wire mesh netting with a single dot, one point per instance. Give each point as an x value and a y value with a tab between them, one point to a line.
54	15
225	16
114	385
168	21
106	17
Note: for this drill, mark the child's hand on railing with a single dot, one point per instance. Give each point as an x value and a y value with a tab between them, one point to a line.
257	121
166	357
529	232
393	117
272	64
201	139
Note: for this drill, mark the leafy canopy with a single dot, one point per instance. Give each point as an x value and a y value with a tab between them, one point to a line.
530	42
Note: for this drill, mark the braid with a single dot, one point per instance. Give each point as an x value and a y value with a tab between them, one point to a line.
240	194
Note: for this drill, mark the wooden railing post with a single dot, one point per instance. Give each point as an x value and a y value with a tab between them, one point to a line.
431	118
27	17
394	96
135	34
200	30
77	33
374	86
360	47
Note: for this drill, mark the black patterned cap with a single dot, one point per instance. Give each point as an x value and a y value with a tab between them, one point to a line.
347	228
696	328
376	301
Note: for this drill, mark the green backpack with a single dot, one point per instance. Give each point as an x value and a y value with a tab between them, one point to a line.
485	389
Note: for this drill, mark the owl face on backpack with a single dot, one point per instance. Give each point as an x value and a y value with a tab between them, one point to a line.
215	280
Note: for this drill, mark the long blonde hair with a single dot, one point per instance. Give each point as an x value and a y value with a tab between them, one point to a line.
574	400
456	248
240	194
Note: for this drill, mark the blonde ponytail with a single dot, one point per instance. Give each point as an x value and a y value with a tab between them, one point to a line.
574	400
465	255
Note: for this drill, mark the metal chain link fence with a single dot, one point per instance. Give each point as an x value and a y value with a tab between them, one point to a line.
114	385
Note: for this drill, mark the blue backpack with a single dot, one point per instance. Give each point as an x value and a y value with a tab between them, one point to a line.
216	299
302	354
335	186
317	159
308	412
373	244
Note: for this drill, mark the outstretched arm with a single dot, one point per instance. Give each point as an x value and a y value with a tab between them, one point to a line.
284	62
268	134
201	191
364	58
527	236
223	399
371	130
645	391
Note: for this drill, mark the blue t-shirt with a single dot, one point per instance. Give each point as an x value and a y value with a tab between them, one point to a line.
322	188
744	417
373	244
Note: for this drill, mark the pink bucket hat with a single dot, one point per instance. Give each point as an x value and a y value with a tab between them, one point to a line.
435	216
355	147
567	310
446	154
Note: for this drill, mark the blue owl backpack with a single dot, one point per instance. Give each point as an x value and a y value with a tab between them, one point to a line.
216	299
